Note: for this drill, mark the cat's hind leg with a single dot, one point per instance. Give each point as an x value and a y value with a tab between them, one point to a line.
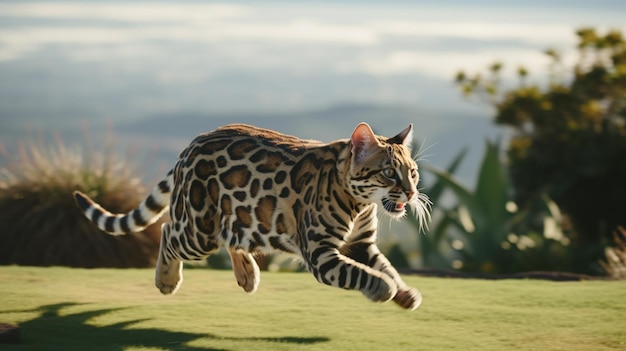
246	270
169	268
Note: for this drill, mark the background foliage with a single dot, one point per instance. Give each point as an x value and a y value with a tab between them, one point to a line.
569	139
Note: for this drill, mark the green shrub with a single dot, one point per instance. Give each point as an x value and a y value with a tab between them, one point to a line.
41	225
569	137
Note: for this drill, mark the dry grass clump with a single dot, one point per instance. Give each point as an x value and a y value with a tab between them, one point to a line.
615	261
40	222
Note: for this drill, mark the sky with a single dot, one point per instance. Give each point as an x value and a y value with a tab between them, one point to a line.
67	64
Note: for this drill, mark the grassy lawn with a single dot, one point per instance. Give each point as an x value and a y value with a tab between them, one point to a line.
106	309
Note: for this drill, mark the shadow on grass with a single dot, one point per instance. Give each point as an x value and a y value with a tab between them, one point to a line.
55	331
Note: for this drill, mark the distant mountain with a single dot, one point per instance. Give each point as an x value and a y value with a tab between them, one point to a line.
306	124
163	137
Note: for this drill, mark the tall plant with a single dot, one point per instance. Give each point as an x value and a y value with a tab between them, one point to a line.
485	228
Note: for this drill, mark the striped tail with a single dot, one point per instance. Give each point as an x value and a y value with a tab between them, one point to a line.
148	211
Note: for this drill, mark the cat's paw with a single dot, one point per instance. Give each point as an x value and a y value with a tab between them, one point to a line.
249	277
168	278
409	298
246	270
380	288
168	287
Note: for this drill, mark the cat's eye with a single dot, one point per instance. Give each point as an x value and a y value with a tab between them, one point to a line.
389	172
414	173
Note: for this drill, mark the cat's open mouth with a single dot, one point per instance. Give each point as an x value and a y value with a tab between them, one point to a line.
395	208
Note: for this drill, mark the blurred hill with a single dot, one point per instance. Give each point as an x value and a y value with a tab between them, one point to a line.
440	136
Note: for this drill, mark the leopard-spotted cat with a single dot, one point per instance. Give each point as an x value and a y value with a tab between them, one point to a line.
256	190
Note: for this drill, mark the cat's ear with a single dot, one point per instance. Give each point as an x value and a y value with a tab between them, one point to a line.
363	142
405	137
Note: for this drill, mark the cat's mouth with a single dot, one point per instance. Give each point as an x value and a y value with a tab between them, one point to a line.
393	208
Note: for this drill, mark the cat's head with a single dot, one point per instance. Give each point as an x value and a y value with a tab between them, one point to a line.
383	171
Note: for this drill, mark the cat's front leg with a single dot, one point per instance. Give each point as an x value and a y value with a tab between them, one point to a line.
333	268
368	253
408	298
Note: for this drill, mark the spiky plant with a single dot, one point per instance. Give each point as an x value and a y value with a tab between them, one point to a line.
40	223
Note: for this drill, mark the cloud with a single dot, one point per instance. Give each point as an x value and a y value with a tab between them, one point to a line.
83	24
534	33
123	12
370	40
443	64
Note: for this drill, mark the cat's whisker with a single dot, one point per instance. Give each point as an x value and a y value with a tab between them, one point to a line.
421	208
420	155
380	211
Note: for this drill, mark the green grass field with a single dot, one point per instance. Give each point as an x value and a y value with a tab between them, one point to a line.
105	309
